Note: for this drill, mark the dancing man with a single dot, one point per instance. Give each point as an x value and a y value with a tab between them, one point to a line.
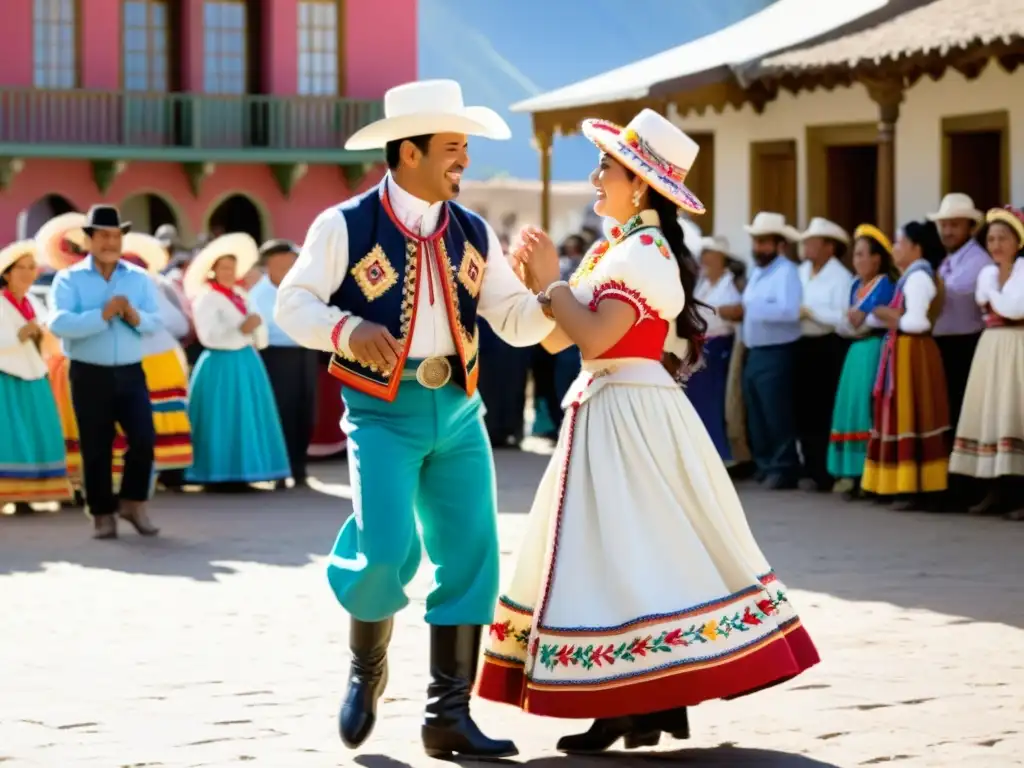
391	282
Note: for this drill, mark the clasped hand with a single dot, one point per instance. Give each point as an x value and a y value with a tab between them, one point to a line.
30	330
535	259
120	307
251	323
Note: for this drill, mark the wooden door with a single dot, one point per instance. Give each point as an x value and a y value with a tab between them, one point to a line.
701	181
852	185
773	181
976	158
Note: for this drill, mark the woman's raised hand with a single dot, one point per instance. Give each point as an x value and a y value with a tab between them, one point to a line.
541	257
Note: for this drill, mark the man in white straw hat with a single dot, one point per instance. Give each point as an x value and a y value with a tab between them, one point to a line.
821	351
391	282
771	328
959	325
102	307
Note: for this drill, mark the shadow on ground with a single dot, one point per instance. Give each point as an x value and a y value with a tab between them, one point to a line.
951	564
724	756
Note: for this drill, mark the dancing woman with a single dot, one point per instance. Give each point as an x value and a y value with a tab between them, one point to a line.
639	589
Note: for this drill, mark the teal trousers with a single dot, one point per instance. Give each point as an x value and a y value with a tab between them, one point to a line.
423	458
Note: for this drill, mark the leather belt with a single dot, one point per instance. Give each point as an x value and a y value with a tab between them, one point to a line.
431	373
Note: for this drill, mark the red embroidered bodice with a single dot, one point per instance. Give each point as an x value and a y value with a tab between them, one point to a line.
634	266
647	336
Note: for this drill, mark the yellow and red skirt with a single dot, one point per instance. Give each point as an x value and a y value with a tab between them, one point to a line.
908	451
167	380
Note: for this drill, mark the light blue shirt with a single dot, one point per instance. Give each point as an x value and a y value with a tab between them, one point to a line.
262	297
78	296
771	304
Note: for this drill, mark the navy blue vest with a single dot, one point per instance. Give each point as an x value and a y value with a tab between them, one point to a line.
381	284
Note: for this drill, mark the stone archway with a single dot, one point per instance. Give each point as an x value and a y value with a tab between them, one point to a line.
41	211
236	213
148	211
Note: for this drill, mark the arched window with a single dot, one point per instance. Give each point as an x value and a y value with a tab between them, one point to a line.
226	54
147	36
55	43
319	49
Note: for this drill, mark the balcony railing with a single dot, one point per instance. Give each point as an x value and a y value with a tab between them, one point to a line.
187	126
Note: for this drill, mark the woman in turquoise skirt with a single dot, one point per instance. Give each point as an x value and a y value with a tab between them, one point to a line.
851	418
32	462
236	430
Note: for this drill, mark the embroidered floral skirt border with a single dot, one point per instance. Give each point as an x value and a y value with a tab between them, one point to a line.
990	436
639	586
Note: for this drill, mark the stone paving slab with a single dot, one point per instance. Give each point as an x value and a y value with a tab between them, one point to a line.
219	644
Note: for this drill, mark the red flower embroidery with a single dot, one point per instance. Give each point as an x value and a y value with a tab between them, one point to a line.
646	239
615	232
500	631
767	606
535	647
750	618
603	655
675	637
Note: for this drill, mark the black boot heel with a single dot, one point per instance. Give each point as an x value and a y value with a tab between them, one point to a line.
600	737
367	679
636	740
448	727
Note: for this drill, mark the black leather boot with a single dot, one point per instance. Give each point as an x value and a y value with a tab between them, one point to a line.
674	722
605	731
448	727
368	641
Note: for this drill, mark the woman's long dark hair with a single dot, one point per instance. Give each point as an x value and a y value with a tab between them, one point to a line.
926	235
690	325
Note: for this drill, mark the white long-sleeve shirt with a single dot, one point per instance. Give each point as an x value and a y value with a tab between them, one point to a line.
918	293
218	323
1007	300
826	297
303	310
20	358
174	322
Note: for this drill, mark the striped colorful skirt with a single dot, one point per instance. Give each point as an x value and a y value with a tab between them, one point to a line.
167	380
236	429
908	452
32	462
852	416
990	436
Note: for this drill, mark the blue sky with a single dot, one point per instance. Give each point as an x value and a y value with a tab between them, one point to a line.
502	51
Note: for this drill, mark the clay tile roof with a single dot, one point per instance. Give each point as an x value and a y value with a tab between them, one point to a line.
941	27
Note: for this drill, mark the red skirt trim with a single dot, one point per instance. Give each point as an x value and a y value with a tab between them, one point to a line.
774	660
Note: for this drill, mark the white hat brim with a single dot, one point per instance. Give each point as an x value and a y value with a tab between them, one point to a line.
14	252
48	239
837	235
471	121
786	232
973	214
237	244
607	137
147	248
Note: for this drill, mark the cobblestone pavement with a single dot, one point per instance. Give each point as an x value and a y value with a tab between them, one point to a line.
219	643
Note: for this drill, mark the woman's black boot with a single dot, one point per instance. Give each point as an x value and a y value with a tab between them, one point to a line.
674	722
448	728
603	734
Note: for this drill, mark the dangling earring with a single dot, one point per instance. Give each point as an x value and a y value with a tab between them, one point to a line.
636	199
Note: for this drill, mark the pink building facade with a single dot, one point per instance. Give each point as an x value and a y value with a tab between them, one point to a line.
213	115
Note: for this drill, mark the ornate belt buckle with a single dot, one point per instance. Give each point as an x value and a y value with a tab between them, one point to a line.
434	372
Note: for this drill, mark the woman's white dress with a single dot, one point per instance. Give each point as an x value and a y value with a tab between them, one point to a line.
639	586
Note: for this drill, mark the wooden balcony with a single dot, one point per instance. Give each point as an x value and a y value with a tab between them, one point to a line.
181	127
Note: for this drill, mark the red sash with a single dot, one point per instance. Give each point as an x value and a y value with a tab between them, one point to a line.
231	296
24	306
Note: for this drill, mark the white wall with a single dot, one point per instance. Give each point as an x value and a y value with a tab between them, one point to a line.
918	139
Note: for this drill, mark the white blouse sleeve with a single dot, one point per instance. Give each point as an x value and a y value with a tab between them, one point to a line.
217	322
918	293
1008	301
10	324
643	273
988	279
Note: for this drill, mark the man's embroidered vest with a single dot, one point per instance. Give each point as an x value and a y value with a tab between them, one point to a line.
386	262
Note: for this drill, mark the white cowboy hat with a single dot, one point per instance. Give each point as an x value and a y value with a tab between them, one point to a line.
237	244
820	227
61	241
956	205
147	249
770	223
715	244
654	149
428	106
15	251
